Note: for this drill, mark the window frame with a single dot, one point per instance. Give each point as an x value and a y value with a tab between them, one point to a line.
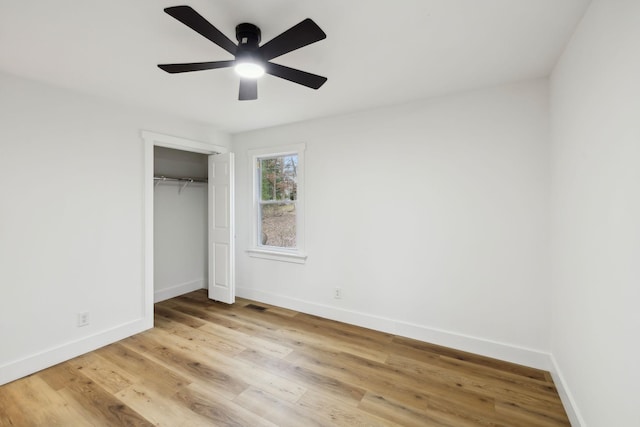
256	249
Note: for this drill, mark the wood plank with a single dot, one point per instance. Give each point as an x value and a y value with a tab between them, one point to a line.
12	412
220	411
227	318
314	331
333	411
400	414
97	402
194	366
311	380
277	411
242	339
32	402
208	363
402	344
143	368
109	376
245	372
176	316
475	381
520	414
200	335
159	407
380	379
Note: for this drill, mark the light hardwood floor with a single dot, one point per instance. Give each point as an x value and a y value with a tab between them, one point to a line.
252	364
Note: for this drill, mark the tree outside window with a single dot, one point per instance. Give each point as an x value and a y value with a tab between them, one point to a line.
278	183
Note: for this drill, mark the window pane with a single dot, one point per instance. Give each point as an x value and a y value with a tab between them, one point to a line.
278	224
278	178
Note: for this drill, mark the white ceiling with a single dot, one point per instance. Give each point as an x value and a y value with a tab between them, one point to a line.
376	53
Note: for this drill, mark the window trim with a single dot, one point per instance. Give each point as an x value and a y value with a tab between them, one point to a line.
297	255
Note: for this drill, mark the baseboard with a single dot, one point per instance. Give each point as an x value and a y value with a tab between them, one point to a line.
178	290
50	357
498	350
565	395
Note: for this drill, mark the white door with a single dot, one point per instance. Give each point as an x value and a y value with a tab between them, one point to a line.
221	229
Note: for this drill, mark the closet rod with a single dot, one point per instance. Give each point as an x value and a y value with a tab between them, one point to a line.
172	179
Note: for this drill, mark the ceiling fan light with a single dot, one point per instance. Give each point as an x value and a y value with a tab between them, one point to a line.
249	70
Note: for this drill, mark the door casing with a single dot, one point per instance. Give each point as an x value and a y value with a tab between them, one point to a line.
151	140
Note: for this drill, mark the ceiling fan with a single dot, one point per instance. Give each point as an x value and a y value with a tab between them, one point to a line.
251	60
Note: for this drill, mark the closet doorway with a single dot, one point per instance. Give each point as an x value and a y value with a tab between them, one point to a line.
180	244
188	220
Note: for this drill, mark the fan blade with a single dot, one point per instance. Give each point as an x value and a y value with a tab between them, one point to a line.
301	77
195	66
306	32
248	90
196	22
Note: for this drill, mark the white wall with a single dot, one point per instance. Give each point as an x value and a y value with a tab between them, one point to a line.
432	217
180	224
71	221
179	163
595	104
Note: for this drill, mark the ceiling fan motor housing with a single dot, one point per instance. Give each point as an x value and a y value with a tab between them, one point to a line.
248	36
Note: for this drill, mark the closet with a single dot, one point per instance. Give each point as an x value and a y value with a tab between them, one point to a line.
180	222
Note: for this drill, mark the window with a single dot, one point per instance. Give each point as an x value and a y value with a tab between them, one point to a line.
278	203
278	187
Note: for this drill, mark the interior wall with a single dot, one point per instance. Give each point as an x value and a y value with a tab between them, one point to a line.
71	220
595	105
432	217
180	224
179	163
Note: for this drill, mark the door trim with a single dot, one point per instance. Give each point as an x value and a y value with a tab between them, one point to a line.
151	140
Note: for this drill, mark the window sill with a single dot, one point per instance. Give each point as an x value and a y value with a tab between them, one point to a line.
294	257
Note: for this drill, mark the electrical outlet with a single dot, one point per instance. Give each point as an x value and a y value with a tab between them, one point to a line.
337	293
83	318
